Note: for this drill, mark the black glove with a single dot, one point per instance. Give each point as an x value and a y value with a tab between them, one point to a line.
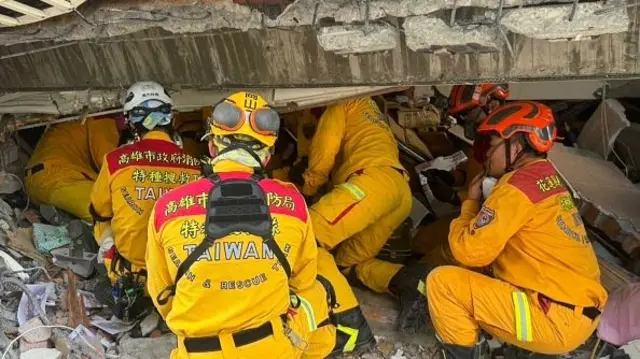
441	184
295	174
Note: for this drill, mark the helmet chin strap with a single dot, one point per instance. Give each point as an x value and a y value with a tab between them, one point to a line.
510	164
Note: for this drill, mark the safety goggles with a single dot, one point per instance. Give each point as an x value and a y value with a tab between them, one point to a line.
145	111
229	117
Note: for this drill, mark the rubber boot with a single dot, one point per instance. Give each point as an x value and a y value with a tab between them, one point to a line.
353	333
408	285
509	351
452	351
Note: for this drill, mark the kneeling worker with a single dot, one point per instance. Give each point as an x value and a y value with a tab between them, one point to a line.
66	163
134	177
235	271
545	295
369	200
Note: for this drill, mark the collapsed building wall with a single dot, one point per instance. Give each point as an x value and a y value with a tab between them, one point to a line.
217	44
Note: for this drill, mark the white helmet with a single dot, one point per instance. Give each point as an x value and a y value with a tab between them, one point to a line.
143	91
149	104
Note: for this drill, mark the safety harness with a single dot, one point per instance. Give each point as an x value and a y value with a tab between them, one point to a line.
234	205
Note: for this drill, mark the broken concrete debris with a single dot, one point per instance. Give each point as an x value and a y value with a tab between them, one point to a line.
428	33
350	39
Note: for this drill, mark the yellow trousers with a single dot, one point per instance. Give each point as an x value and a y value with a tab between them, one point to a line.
358	217
66	189
461	302
312	342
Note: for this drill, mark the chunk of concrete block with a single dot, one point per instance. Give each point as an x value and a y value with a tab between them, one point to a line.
42	353
357	39
149	323
35	335
602	129
432	33
552	22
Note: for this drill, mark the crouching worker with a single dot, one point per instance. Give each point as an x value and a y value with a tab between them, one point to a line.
66	162
369	200
545	295
470	105
132	179
234	273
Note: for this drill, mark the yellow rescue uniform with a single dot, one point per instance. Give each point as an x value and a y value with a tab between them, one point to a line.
132	179
371	195
237	285
66	162
531	233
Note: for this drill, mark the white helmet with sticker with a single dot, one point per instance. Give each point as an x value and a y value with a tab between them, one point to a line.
143	91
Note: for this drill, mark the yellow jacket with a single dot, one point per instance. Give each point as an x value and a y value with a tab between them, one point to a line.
132	179
78	147
235	284
351	136
531	232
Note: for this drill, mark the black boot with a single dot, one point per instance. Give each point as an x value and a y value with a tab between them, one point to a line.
353	333
408	285
398	247
509	351
452	351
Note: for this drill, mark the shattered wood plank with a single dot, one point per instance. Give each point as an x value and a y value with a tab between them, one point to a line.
74	302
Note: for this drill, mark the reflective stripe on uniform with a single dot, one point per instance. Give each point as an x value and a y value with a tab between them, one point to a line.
353	336
524	330
311	318
355	191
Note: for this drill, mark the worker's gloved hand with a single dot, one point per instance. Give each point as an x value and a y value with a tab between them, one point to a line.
441	184
298	168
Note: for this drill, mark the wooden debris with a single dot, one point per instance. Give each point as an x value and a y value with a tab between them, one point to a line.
74	302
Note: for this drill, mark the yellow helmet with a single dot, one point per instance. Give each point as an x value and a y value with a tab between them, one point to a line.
245	113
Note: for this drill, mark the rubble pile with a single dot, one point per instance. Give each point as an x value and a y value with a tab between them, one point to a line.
54	292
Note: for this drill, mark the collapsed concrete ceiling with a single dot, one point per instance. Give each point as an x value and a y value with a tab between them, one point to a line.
280	43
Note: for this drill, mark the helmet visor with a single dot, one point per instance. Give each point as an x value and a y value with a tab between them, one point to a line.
227	116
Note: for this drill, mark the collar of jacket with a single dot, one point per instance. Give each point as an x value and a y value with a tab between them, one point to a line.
231	166
157	135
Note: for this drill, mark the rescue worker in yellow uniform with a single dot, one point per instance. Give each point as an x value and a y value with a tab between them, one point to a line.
545	295
244	244
133	178
470	105
369	200
66	163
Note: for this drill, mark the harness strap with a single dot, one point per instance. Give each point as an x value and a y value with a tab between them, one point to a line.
241	338
96	217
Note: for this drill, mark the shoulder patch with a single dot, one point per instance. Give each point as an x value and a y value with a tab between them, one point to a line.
538	181
284	199
150	153
188	200
486	216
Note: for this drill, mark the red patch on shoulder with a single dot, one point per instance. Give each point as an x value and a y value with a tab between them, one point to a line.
538	181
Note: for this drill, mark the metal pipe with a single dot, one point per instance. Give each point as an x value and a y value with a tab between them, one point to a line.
411	152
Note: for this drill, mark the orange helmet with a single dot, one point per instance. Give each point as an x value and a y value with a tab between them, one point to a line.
465	97
532	119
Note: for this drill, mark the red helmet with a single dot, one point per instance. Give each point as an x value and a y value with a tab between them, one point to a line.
532	119
465	97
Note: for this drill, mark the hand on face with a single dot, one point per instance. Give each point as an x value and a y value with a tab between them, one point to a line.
475	188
